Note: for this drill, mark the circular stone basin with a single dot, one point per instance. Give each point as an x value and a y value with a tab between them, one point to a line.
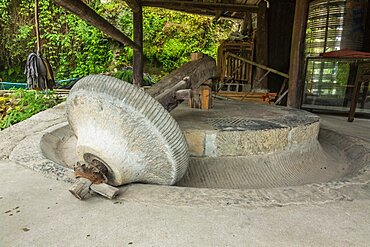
240	146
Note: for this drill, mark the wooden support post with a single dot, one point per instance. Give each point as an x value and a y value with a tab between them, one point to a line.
262	42
355	95
366	42
297	60
138	53
83	11
246	27
206	94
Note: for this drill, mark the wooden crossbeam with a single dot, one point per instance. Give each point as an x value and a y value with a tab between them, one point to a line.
192	10
207	5
83	11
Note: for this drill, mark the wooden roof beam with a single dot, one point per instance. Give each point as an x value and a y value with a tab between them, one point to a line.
134	5
198	11
83	11
211	6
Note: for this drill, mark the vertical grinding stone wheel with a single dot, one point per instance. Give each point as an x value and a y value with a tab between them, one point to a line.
127	130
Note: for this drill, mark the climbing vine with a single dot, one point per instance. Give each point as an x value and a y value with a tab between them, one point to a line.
76	49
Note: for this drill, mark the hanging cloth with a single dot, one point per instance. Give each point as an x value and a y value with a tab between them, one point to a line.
39	73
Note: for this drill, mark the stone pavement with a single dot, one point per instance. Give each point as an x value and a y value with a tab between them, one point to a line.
38	211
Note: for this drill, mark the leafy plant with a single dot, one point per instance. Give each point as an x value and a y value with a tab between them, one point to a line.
76	49
127	75
22	104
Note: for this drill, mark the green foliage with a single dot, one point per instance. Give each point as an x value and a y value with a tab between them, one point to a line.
127	75
76	49
170	37
23	104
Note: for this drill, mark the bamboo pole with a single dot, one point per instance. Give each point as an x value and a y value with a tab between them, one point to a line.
38	42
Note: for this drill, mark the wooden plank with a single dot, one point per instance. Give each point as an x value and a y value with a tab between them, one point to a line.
198	71
297	54
192	10
168	98
184	94
189	76
206	5
83	11
138	66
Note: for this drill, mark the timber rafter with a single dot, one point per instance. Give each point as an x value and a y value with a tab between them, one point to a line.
210	6
83	11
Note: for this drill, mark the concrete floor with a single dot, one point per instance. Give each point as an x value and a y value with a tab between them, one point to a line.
37	211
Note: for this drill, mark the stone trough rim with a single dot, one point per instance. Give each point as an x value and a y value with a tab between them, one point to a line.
327	190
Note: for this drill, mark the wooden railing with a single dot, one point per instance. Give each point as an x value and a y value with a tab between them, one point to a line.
241	62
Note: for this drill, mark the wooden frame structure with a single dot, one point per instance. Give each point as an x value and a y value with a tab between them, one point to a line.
233	68
217	8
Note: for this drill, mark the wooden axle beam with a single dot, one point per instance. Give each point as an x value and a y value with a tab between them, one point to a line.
83	11
169	90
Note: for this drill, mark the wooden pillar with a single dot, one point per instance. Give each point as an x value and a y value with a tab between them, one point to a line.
138	53
297	59
262	42
366	42
246	27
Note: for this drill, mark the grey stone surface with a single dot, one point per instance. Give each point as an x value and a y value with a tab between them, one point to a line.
38	211
197	138
246	143
245	129
127	130
35	151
